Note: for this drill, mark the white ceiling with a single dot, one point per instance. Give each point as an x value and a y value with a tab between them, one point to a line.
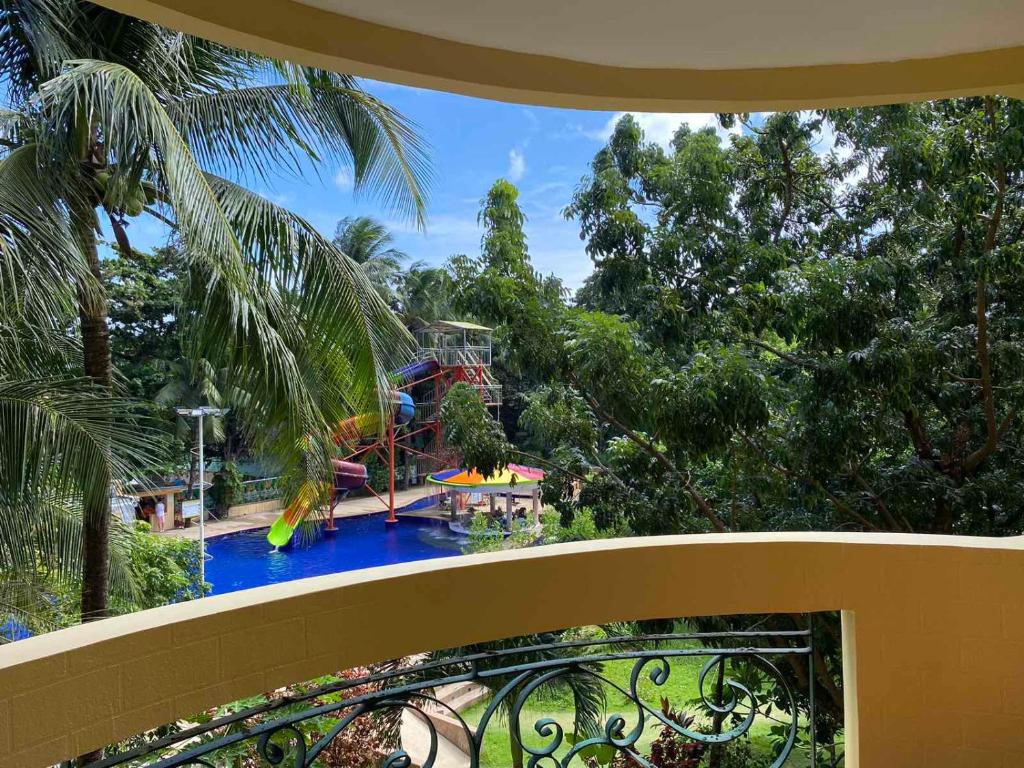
705	34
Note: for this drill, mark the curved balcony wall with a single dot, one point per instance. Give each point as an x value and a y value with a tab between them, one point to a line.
616	70
933	633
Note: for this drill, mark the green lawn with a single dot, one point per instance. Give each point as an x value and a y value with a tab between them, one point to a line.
680	687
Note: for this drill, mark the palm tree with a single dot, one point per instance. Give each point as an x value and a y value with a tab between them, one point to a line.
111	118
368	243
192	383
425	294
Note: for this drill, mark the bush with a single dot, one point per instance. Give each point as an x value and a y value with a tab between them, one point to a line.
165	569
227	488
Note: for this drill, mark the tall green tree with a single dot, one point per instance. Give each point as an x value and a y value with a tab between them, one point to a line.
144	294
500	288
863	298
112	118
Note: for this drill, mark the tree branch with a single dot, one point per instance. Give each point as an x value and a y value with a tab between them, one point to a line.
652	450
782	355
981	316
838	503
160	217
787	200
880	505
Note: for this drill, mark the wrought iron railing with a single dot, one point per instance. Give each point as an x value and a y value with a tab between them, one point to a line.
745	677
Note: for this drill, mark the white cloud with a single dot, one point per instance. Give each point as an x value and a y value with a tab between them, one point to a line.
660	127
343	179
516	165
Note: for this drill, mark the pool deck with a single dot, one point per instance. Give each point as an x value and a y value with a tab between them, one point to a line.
364	505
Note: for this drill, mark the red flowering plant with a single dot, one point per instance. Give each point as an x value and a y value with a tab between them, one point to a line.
672	750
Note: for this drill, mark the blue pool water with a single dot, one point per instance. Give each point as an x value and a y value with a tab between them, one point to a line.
245	559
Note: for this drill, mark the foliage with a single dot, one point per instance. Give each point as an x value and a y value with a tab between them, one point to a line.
486	535
810	326
369	244
669	750
501	289
165	569
365	743
58	441
425	295
582	527
150	571
144	294
226	488
468	425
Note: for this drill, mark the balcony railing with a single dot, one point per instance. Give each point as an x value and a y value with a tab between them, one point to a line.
468	355
932	635
294	730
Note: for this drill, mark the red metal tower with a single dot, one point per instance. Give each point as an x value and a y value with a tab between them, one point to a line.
449	352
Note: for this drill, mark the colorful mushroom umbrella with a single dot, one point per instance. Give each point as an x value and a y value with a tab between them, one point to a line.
514	476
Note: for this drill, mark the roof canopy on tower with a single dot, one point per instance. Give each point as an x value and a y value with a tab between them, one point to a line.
452	326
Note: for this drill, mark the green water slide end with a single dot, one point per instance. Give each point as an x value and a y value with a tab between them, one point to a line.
280	532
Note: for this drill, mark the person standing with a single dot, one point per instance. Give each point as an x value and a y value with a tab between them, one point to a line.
160	512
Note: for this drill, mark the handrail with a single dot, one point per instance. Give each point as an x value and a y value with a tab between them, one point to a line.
909	650
518	673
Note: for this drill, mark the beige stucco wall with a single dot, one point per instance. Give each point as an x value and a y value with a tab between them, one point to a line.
300	32
934	631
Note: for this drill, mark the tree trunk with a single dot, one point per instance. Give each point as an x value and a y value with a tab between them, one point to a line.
92	310
517	751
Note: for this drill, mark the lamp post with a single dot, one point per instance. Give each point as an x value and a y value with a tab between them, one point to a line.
198	413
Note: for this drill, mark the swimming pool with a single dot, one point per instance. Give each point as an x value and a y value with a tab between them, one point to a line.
245	559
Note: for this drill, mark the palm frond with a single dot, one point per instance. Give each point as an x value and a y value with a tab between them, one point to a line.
313	116
41	551
40	266
238	314
59	444
336	302
36	36
349	340
60	434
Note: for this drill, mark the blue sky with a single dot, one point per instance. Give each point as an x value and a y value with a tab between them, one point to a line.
544	151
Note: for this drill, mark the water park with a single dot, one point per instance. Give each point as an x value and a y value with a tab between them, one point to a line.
365	524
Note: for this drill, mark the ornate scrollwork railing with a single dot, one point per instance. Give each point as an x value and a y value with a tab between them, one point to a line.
743	678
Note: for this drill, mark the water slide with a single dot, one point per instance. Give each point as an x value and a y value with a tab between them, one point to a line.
350	475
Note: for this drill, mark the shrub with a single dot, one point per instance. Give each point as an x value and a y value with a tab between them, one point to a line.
227	488
164	569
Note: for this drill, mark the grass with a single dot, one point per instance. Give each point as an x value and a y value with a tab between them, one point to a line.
680	688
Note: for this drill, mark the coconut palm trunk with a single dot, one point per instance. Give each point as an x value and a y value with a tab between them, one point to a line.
96	364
